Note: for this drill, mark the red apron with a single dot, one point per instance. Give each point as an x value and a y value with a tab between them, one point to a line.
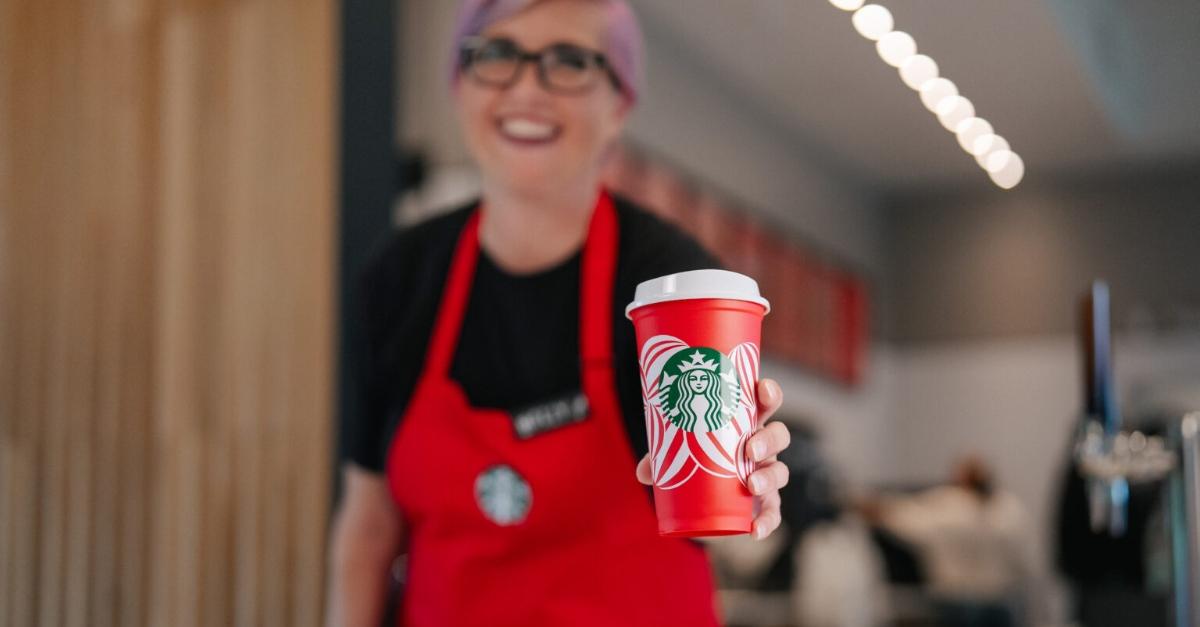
550	530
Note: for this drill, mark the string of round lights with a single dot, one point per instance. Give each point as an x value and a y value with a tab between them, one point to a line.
940	95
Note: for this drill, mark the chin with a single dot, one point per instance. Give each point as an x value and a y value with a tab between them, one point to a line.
533	178
529	183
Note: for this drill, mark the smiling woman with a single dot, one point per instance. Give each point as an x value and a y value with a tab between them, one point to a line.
528	139
500	358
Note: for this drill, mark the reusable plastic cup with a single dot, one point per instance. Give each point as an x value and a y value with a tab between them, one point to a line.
698	348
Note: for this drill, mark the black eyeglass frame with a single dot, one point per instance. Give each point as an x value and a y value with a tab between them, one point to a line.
472	45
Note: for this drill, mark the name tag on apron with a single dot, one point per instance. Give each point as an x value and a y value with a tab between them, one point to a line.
556	413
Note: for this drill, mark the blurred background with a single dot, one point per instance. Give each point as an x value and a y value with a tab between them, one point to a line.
188	188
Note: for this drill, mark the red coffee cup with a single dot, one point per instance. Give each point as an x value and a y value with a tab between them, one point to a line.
698	347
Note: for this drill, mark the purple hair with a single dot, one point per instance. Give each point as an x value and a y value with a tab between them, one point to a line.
622	45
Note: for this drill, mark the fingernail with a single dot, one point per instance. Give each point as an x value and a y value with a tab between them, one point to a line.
759	532
771	388
756	484
758	450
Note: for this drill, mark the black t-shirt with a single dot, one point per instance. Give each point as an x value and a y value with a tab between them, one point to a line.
519	344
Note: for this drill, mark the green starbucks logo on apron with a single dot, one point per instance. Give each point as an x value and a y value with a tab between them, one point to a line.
503	495
699	390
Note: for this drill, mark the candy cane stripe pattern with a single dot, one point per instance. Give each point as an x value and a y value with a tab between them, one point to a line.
745	359
671	463
700	409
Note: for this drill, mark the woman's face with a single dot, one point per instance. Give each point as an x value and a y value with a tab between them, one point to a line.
697	380
525	138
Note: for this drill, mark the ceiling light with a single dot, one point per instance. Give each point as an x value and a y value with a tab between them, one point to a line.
1006	168
985	146
847	5
940	95
896	47
872	21
954	110
997	159
935	91
970	130
918	70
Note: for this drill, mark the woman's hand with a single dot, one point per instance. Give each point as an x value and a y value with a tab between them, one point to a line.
770	474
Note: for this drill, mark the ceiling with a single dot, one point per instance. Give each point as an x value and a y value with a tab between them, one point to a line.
1042	73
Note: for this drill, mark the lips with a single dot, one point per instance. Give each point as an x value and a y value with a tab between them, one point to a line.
528	131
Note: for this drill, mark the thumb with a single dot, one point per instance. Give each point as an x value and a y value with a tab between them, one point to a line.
643	471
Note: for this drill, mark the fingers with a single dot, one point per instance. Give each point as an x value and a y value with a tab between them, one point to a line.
768	441
770	477
767	523
643	471
769	517
767	502
770	397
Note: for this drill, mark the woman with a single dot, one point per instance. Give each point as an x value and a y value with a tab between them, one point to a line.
504	404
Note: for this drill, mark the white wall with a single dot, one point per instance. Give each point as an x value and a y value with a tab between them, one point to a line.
426	115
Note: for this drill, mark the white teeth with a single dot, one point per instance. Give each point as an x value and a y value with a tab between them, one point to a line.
522	128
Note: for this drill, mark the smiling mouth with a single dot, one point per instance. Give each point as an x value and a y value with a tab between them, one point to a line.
528	132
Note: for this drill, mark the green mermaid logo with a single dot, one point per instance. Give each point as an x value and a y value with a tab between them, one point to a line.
699	389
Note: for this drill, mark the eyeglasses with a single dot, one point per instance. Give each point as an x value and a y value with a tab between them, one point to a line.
561	68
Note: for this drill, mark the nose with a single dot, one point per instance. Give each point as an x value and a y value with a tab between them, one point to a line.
527	84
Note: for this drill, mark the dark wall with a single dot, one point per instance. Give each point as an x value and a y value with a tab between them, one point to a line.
368	170
990	263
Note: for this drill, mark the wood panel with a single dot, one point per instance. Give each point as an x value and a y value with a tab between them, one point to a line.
166	316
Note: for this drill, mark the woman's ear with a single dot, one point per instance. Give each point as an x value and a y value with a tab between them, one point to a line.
624	108
620	111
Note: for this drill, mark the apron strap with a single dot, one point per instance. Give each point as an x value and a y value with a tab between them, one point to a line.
454	300
598	273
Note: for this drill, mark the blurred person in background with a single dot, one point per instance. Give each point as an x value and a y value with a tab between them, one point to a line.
970	537
512	308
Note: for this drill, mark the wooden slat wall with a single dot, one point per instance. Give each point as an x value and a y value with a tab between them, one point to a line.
166	310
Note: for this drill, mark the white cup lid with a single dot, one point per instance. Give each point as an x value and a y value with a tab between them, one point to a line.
697	284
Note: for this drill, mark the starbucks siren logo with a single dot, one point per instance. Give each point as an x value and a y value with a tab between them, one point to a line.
699	390
700	409
503	495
